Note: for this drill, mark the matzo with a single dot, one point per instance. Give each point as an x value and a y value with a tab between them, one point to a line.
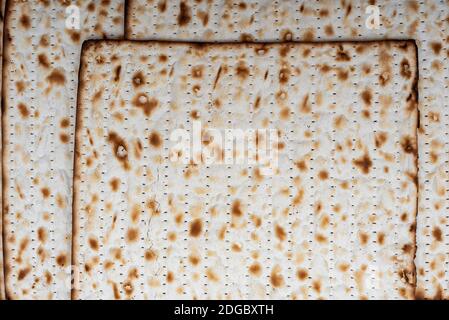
266	20
42	49
335	220
2	283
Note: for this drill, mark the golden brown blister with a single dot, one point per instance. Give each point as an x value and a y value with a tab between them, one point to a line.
148	228
40	72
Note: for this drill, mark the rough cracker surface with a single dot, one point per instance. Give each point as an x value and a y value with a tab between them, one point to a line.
40	84
263	20
346	118
2	283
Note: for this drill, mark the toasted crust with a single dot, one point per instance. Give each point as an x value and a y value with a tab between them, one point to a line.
121	235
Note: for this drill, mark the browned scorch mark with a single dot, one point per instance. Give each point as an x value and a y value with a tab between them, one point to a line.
184	15
146	104
120	149
364	163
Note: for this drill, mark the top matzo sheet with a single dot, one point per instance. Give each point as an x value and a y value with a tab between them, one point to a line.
334	218
427	22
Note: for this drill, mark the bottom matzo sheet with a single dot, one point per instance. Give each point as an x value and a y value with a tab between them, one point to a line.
320	202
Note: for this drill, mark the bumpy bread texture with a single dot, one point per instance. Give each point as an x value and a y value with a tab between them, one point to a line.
40	87
2	282
265	20
336	220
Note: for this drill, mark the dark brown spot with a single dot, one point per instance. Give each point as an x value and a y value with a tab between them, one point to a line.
284	75
75	36
44	42
56	77
64	137
132	235
280	232
93	243
184	15
320	238
24	112
162	5
146	104
65	122
43	60
114	183
120	149
204	17
196	227
316	285
117	71
298	197
436	47
195	114
305	106
61	260
42	234
128	287
301	165
91	7
342	55
45	192
342	74
194	260
364	163
408	144
257	103
23	273
217	77
329	30
20	85
324	13
170	276
302	274
163	58
242	70
381	238
405	69
284	50
323	175
48	277
150	255
211	275
380	138
255	269
197	72
437	234
138	79
348	10
276	278
25	21
309	35
407	248
155	139
363	238
236	209
367	96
